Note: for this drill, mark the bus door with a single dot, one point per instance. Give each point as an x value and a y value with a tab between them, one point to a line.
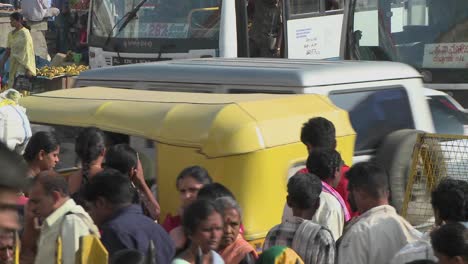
313	28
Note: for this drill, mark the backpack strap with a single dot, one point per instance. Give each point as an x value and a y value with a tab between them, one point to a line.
91	227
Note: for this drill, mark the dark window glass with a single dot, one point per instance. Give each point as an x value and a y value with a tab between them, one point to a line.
375	113
303	6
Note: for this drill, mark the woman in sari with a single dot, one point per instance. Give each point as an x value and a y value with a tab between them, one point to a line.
20	50
233	248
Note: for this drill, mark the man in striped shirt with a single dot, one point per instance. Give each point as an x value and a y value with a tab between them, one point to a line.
313	242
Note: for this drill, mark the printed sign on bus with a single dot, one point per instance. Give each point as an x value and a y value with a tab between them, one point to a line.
165	30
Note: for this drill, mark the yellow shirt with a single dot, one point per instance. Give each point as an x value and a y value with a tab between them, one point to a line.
22	56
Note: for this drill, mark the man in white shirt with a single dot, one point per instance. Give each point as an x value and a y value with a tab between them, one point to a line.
332	212
62	219
319	133
37	10
379	232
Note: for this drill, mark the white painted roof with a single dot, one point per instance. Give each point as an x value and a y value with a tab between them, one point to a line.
255	71
432	92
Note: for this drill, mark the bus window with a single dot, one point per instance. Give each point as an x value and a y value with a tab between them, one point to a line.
304	6
430	35
331	5
375	114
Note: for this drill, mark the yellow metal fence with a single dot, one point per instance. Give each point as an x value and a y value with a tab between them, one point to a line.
435	157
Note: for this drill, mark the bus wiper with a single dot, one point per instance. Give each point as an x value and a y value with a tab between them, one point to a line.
129	16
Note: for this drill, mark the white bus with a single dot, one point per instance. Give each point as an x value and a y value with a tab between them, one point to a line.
430	35
165	29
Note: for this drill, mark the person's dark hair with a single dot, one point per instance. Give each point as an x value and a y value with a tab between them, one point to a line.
113	138
17	16
13	169
319	132
52	182
422	261
198	173
126	256
369	177
121	157
112	185
304	190
41	140
197	212
89	144
324	163
451	240
449	199
213	191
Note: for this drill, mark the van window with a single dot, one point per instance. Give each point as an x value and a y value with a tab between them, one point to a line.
374	114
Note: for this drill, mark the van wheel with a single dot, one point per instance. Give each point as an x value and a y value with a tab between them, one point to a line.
395	156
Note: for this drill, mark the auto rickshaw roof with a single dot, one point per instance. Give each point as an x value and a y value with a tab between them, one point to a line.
216	124
289	73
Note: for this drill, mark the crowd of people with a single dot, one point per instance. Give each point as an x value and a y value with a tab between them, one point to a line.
333	213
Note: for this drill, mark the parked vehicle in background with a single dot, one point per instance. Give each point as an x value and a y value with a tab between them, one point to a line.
428	35
167	30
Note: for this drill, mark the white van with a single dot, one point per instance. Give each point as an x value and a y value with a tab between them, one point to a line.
381	97
385	100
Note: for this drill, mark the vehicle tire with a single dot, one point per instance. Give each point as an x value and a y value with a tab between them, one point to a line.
395	156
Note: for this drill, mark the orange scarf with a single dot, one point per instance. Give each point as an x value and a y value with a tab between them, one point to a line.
234	253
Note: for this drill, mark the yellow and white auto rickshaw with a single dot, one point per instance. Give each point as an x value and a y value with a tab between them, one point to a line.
248	142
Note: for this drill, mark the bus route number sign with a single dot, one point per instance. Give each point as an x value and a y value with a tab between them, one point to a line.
167	30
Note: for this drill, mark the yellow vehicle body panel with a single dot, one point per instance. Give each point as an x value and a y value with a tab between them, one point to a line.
248	142
257	179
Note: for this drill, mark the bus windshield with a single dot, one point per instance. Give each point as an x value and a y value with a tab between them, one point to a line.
156	19
430	35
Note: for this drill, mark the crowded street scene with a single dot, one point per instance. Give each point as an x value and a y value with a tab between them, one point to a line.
237	132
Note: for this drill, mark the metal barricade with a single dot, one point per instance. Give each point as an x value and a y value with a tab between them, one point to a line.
435	157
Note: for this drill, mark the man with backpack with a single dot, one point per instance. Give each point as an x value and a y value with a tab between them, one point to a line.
63	222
